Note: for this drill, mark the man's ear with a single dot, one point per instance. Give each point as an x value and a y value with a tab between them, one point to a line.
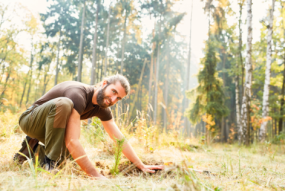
104	83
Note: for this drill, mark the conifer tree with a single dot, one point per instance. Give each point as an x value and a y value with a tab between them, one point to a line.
209	96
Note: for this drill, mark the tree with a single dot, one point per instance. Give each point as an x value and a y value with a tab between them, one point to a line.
80	56
209	96
186	122
245	109
265	107
93	69
280	128
107	42
239	64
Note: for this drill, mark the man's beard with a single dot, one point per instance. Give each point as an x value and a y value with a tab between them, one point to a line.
101	98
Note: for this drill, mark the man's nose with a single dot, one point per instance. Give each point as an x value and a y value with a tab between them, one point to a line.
114	99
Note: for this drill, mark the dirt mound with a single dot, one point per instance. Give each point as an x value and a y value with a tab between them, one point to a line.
127	168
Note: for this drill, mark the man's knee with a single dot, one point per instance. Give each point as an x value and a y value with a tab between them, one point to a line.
63	110
64	105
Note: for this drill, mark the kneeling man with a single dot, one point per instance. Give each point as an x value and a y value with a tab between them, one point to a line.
54	120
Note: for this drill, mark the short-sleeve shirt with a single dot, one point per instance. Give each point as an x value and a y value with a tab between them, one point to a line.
81	95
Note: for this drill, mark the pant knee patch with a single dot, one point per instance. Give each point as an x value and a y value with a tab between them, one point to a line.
63	109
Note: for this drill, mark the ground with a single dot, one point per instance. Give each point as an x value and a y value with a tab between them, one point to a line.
189	164
214	167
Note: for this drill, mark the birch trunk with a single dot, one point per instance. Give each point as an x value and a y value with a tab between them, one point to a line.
107	43
237	102
248	77
81	44
124	41
238	65
94	57
265	107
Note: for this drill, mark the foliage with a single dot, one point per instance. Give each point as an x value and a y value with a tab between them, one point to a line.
279	139
118	155
209	96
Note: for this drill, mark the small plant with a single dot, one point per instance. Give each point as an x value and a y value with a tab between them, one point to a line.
94	132
279	139
118	154
147	135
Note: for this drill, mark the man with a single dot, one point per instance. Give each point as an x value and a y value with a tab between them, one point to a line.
54	120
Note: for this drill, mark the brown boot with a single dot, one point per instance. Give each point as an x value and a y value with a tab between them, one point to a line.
33	143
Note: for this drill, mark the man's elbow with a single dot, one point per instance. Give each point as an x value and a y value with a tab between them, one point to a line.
71	144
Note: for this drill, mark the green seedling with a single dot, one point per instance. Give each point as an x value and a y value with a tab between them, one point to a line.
118	154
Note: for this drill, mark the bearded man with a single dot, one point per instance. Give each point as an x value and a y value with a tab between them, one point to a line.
54	120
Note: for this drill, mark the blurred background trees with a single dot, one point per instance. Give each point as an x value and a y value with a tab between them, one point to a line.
86	40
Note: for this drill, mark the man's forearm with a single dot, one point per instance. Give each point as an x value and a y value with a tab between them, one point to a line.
77	152
129	152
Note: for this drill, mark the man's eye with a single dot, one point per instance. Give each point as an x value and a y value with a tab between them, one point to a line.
114	91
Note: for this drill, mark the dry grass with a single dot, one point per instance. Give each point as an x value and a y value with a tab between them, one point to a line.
217	167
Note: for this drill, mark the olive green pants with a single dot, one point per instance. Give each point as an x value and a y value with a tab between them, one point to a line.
47	123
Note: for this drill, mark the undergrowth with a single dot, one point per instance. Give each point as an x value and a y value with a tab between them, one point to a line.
189	164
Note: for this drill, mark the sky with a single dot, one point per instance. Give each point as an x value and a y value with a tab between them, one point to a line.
199	23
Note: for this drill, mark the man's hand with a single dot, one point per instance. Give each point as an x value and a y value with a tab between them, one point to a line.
151	168
115	133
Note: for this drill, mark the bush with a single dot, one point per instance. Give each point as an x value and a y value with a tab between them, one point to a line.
279	139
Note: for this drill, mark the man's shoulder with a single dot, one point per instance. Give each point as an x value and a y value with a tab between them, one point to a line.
73	84
70	83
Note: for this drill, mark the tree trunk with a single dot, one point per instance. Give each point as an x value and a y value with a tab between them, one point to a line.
6	82
156	81
31	73
107	43
45	79
237	102
94	57
248	76
37	87
223	129
29	88
124	41
186	120
238	65
80	55
265	108
57	59
282	100
166	94
24	91
149	105
280	128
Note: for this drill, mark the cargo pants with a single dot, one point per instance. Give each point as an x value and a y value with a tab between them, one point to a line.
47	123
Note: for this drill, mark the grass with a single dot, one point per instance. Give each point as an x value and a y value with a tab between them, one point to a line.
214	167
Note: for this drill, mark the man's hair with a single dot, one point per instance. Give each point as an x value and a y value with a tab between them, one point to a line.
119	78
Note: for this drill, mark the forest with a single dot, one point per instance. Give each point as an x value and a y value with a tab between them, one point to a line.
229	104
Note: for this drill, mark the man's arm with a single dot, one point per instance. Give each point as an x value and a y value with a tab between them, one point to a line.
115	133
75	148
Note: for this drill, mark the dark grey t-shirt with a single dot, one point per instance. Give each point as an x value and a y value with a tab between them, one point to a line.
81	96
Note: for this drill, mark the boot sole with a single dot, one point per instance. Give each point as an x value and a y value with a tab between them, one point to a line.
20	158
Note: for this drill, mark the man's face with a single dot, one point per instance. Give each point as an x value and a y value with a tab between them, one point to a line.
109	94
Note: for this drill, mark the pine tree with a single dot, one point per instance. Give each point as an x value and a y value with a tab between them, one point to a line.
209	97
